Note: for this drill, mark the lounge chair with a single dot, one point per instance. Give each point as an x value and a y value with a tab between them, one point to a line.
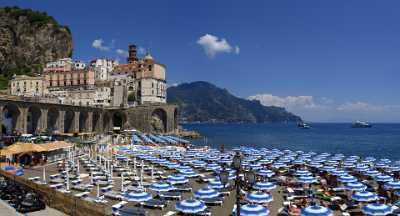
183	188
56	186
113	195
213	201
34	179
171	195
80	187
204	213
170	213
132	211
81	195
155	203
107	188
115	208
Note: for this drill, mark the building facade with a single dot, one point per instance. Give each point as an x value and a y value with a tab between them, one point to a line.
65	73
102	68
27	86
148	75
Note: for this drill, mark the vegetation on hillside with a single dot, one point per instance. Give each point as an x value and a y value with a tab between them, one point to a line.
204	102
27	36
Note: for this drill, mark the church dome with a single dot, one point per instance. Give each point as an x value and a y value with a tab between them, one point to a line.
148	57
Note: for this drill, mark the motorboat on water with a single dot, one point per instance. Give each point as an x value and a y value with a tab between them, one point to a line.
303	125
361	124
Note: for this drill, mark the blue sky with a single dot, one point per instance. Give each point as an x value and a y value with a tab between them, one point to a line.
323	60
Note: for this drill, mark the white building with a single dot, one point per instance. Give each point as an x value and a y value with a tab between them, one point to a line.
102	96
151	82
102	68
64	64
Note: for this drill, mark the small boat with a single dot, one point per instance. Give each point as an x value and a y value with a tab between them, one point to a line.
361	124
303	125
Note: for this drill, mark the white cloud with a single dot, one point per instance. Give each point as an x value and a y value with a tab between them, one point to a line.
327	110
287	102
141	50
99	44
360	106
212	45
237	50
122	52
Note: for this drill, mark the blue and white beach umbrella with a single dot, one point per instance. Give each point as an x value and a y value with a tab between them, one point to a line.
205	193
253	210
383	178
372	173
339	172
348	164
328	168
316	210
161	187
189	173
190	206
307	179
137	196
347	178
356	186
177	179
259	197
361	167
215	184
278	165
315	164
364	196
377	209
264	186
265	172
302	173
392	185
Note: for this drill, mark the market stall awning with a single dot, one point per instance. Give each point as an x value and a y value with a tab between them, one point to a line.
20	147
51	146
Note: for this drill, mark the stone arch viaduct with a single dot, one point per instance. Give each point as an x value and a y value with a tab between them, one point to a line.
25	116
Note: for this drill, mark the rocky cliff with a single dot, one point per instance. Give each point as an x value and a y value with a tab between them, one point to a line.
29	39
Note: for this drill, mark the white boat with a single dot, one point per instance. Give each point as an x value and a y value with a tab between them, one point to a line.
361	124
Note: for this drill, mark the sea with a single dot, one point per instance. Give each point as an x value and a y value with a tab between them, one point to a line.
380	141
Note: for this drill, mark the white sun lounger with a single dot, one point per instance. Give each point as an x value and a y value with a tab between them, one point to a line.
83	194
36	178
170	213
117	207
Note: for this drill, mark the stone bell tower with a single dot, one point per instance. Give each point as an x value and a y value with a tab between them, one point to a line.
132	54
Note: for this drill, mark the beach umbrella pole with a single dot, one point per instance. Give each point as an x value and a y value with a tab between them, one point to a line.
141	174
44	175
68	179
122	182
98	190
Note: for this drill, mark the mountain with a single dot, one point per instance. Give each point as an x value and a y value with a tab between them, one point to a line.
204	102
29	39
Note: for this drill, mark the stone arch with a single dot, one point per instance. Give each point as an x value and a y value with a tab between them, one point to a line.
11	115
69	121
158	121
52	120
33	118
96	121
106	121
83	117
119	119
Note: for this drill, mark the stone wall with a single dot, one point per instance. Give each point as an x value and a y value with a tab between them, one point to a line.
66	203
35	117
140	117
